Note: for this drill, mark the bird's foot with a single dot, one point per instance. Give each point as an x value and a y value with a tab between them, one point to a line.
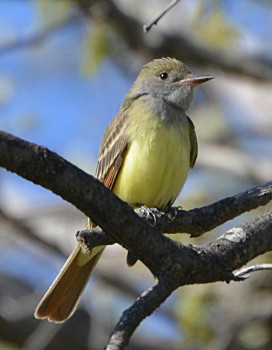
150	214
171	212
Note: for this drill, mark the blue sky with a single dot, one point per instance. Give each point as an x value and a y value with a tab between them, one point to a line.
50	102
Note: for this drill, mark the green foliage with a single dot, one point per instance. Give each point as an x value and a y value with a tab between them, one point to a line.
95	42
195	313
213	29
95	47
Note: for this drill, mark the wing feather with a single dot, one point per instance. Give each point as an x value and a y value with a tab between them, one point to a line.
193	142
112	150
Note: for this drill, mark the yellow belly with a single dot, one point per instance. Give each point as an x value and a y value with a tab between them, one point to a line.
156	164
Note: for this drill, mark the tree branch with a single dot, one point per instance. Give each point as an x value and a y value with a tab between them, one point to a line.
141	308
176	45
173	263
195	221
249	269
241	244
147	27
200	220
41	166
228	252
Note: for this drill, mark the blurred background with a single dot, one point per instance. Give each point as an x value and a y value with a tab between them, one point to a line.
65	67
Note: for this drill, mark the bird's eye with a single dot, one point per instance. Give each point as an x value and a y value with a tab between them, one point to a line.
163	76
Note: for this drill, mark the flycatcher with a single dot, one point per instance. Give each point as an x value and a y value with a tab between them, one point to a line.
144	158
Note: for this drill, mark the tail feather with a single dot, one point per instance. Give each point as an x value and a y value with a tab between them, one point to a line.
62	298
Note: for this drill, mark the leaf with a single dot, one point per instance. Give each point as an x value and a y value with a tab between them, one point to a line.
96	47
217	32
195	313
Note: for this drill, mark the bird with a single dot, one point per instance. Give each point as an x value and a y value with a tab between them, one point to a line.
144	158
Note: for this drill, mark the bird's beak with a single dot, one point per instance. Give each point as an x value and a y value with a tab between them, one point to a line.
194	81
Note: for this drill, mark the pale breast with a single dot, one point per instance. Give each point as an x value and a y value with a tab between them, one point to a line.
156	164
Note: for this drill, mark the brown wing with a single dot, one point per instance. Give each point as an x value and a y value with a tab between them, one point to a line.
112	150
111	175
193	142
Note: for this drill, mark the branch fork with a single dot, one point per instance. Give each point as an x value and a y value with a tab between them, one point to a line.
172	263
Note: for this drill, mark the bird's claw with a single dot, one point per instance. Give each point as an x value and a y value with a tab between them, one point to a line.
150	214
172	212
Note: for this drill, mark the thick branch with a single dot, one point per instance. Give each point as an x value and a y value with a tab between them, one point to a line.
173	263
233	249
115	217
46	168
214	263
241	244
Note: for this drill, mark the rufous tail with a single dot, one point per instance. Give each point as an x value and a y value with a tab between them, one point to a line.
61	300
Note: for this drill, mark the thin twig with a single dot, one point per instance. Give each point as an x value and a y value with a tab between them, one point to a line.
143	307
178	44
147	27
246	270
